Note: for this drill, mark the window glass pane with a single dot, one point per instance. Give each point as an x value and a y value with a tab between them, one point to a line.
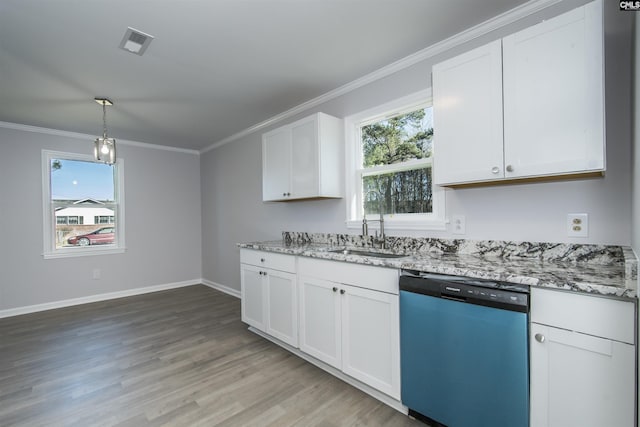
399	192
83	193
77	180
398	139
392	142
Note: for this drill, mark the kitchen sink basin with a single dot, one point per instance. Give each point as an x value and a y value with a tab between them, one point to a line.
369	253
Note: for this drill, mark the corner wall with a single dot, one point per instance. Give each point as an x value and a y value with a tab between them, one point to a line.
635	171
162	220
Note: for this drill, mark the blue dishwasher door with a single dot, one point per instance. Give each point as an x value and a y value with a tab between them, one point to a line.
464	365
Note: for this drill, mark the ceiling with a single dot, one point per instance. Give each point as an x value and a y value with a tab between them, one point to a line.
215	67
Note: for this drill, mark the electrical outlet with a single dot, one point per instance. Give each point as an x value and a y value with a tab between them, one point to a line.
96	273
458	224
578	225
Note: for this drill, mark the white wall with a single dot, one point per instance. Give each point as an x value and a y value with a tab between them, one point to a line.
162	220
231	174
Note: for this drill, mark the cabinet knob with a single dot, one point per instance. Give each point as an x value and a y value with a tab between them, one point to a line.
342	291
284	194
335	289
261	259
495	170
539	337
509	168
288	194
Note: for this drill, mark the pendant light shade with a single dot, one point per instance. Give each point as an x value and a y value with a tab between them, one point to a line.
104	149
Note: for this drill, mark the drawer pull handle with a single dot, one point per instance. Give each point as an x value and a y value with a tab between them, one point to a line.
540	338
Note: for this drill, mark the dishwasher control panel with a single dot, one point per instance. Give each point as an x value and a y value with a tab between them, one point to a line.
466	289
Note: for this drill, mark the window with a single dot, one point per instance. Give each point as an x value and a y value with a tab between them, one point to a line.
389	164
104	219
80	197
62	220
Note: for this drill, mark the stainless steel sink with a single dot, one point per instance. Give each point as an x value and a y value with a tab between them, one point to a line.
369	253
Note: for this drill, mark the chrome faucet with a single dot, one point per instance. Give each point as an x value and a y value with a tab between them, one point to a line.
365	225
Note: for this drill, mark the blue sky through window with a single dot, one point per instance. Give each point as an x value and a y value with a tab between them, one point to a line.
77	179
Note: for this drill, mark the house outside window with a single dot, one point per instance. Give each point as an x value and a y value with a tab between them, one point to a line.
79	196
389	164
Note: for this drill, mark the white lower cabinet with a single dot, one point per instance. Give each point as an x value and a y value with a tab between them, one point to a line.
582	357
320	320
253	296
352	328
269	294
370	338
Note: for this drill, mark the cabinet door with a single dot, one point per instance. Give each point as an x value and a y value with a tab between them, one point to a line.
320	321
370	338
282	306
467	102
276	164
253	297
304	158
580	380
553	95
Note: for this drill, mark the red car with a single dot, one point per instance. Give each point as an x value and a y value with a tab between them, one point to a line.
100	236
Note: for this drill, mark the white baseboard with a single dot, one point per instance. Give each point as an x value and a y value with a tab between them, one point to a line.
95	298
222	288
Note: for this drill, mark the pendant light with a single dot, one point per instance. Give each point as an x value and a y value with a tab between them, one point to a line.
104	149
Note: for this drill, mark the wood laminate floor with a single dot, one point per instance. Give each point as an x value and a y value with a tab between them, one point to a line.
174	358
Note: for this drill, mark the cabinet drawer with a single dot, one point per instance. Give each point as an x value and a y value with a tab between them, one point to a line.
268	260
364	276
601	317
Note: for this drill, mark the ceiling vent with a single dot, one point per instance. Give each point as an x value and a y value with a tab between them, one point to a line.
135	41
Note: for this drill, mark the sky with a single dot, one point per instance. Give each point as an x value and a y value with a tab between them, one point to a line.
78	179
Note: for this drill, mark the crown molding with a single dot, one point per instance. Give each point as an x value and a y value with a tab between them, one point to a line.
465	36
87	137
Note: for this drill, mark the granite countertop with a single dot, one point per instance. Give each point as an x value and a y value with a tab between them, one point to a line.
593	269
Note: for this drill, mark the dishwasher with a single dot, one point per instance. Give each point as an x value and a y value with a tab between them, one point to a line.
464	350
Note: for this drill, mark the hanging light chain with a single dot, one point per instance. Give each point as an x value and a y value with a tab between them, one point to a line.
104	119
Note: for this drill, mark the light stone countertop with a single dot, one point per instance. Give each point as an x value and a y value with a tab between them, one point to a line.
593	276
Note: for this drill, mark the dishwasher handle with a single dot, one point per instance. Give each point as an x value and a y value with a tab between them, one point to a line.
452	293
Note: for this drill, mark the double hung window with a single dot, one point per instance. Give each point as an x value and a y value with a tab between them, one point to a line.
80	197
389	166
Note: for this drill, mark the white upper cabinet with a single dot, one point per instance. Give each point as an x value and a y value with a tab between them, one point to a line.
302	160
276	164
529	105
467	93
553	95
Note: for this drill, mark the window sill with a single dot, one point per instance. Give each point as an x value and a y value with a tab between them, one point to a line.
78	252
401	224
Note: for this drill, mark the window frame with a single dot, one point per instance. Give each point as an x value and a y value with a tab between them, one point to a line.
48	210
354	170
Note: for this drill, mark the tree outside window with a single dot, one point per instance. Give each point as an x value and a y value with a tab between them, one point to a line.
396	164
